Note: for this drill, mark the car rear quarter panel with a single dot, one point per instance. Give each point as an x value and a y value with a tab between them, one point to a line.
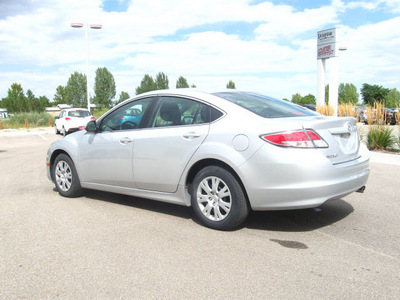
280	178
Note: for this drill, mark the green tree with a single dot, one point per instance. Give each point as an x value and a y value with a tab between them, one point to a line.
40	104
348	93
231	85
296	98
75	91
392	99
30	101
162	81
146	85
15	101
373	93
123	96
34	104
104	88
182	83
309	99
59	96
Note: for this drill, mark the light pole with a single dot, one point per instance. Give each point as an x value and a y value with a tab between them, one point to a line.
93	26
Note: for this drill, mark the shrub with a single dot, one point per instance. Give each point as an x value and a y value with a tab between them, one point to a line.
381	138
344	110
326	110
98	112
34	120
347	110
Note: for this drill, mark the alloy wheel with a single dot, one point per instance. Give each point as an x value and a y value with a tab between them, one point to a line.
63	176
214	198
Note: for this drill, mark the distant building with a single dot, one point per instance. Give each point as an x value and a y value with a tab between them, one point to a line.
56	110
3	113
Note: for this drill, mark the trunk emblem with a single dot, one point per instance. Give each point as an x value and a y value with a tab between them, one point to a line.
351	128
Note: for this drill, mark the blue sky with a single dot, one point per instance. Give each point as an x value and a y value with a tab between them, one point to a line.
263	46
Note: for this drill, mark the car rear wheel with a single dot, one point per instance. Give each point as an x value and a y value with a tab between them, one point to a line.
65	177
218	199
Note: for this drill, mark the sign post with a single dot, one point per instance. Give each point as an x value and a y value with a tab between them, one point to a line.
327	48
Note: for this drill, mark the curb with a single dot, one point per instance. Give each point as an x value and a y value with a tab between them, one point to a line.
384	158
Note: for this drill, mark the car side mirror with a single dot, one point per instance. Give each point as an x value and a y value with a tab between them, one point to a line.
91	126
56	118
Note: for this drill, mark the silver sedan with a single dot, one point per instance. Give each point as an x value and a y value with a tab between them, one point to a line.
221	153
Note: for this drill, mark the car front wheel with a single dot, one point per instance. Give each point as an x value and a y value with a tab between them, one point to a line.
218	199
65	177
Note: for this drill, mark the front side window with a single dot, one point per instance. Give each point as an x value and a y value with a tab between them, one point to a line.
128	116
174	111
265	106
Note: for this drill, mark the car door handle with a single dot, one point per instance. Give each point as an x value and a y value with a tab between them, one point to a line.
125	140
191	135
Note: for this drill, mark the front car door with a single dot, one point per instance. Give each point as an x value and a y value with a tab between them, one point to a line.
106	156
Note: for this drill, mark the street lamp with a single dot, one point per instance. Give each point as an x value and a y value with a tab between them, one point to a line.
93	26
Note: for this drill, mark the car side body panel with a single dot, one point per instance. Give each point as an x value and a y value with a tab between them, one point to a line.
156	163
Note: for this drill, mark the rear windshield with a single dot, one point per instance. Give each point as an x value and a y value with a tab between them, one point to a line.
265	106
79	113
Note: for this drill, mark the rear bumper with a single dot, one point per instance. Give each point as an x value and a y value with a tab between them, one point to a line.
301	180
74	129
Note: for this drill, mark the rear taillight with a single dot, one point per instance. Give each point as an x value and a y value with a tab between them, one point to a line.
122	117
297	139
92	118
67	119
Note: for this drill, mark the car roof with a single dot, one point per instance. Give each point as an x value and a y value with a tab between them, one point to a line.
73	109
208	96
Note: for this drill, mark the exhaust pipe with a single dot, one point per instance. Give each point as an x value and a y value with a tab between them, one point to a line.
361	189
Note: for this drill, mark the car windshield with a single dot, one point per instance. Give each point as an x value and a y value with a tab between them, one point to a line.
79	113
265	106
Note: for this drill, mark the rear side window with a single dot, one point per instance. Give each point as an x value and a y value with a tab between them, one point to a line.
265	106
79	113
175	111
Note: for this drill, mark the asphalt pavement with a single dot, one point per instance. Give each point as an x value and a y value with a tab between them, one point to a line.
107	246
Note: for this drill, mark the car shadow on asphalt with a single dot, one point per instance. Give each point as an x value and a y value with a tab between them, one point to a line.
287	221
300	220
141	203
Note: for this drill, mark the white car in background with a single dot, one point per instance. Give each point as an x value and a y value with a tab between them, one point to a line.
72	119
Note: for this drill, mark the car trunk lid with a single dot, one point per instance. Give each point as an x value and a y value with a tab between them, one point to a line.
342	137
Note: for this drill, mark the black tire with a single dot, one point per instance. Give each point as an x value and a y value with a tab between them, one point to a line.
65	177
64	133
218	199
57	132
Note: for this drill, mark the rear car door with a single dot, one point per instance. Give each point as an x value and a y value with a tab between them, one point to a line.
161	152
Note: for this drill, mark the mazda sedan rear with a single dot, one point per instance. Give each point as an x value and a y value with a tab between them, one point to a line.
223	154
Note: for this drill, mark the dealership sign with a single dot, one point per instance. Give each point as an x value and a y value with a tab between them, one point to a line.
326	44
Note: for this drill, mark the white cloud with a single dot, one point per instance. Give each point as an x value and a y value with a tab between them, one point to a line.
288	24
391	5
372	56
40	50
